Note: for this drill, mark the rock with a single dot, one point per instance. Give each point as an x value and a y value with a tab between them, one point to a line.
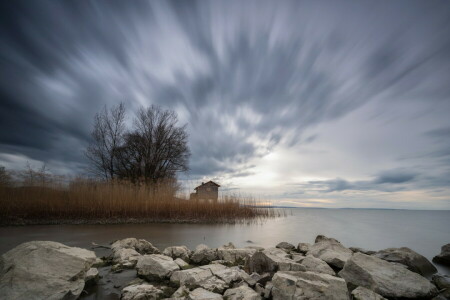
204	255
441	281
141	246
268	290
230	245
362	293
444	256
141	292
364	251
272	260
303	247
385	278
317	265
175	252
200	277
259	289
181	263
202	294
156	266
285	246
413	260
445	295
235	256
297	257
125	256
181	292
308	285
241	293
92	277
330	251
44	270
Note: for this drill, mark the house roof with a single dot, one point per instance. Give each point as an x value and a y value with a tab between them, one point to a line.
207	183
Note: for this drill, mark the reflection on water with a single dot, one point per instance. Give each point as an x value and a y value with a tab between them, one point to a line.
422	231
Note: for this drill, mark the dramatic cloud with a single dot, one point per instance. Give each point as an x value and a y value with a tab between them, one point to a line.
280	98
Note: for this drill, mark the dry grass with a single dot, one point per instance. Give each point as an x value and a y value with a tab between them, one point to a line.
87	201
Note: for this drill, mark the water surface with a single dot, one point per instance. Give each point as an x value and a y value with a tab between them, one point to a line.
373	229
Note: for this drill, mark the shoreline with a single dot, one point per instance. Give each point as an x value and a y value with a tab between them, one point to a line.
136	269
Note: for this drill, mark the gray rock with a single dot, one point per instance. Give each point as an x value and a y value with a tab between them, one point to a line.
308	285
272	260
444	256
204	255
175	252
297	257
44	270
92	277
125	256
413	260
268	290
362	250
385	278
441	281
141	246
330	251
156	266
362	293
285	246
259	289
201	277
303	247
141	292
181	292
202	294
317	265
445	295
181	263
241	293
235	256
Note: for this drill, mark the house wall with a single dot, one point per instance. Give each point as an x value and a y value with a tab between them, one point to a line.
208	192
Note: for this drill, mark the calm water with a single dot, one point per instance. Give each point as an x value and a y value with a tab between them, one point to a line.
422	231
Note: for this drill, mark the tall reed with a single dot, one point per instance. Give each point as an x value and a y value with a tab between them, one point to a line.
91	201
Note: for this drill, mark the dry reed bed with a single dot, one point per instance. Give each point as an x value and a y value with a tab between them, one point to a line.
108	202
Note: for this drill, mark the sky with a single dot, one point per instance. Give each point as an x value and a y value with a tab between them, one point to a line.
304	103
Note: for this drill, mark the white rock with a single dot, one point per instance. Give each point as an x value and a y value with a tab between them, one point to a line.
308	285
141	292
156	266
44	270
202	294
317	265
330	251
141	246
175	252
241	293
361	293
272	260
181	263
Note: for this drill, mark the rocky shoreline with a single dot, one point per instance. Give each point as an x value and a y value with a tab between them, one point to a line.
136	270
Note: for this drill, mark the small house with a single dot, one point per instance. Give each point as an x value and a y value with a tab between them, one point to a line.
208	191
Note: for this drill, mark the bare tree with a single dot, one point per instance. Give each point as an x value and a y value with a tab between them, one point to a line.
107	136
156	148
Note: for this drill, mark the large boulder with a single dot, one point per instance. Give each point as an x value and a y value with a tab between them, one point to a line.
175	252
235	256
241	293
303	247
385	278
141	292
204	255
331	251
308	285
156	266
140	245
44	270
272	260
362	293
202	294
413	260
444	256
317	265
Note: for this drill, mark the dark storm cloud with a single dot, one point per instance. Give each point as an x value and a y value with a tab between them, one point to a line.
246	76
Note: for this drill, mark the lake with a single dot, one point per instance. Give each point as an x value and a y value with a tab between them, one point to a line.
373	229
